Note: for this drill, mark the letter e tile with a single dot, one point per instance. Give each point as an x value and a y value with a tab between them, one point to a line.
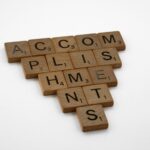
103	75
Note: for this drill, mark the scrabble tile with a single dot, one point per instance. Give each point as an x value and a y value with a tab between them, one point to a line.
103	75
108	56
98	94
83	59
59	61
33	66
88	41
79	69
41	46
71	98
92	117
77	77
112	40
17	50
51	82
65	44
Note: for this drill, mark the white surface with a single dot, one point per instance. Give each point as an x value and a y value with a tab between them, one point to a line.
30	121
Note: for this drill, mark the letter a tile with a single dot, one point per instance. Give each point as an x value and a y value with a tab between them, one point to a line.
17	50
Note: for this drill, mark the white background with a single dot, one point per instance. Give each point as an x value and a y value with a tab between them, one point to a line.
30	121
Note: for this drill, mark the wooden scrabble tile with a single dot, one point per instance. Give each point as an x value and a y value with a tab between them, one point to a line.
98	94
41	46
88	41
108	56
71	98
103	75
77	77
59	61
83	59
33	66
51	82
92	117
65	44
17	50
112	40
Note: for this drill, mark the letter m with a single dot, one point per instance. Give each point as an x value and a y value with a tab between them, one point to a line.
75	78
109	39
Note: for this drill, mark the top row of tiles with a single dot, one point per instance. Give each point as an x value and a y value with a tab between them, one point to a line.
17	50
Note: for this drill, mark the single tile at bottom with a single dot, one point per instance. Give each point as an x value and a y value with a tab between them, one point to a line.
92	117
